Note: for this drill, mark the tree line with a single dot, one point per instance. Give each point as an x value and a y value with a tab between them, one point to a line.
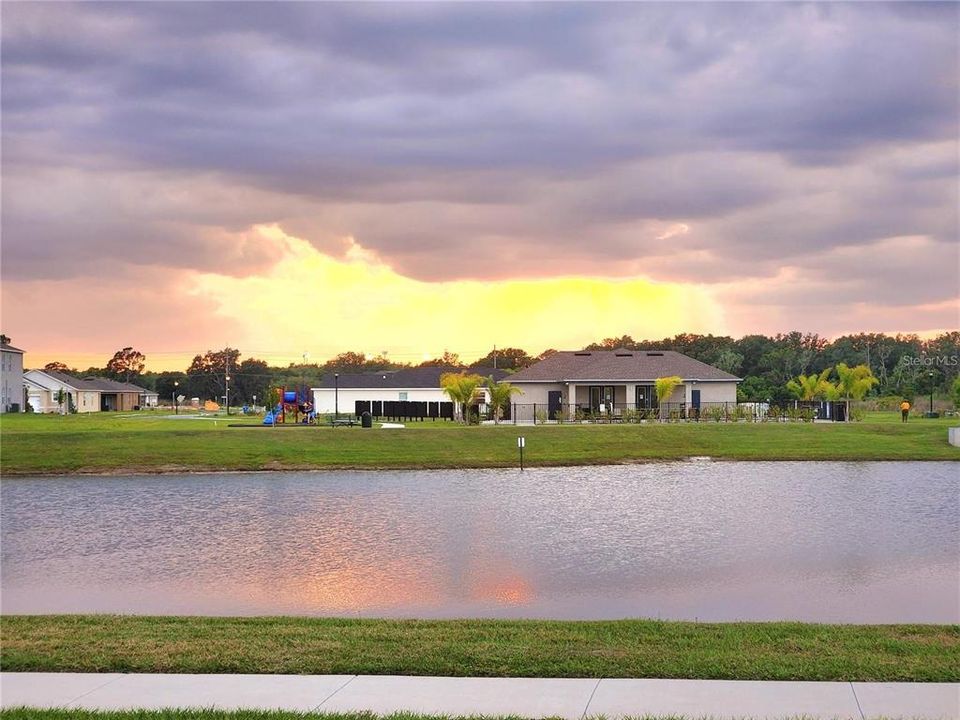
903	365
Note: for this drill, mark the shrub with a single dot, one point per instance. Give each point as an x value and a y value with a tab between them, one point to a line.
716	413
540	417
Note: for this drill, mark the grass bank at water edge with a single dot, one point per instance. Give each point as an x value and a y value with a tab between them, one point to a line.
107	443
493	648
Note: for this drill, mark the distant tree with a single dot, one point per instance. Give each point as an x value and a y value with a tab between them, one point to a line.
165	385
253	377
811	387
461	388
664	388
56	366
356	361
853	383
729	360
206	376
500	394
613	343
126	363
4	339
945	350
955	391
753	389
506	359
448	359
546	353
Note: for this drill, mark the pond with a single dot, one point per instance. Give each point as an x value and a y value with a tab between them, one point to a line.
813	541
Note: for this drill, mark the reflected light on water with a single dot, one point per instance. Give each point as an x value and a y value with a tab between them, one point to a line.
831	542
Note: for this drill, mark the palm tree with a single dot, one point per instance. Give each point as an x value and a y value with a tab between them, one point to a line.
664	388
811	387
853	382
461	388
500	394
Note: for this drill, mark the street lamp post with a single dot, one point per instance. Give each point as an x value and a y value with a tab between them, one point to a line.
336	395
176	407
930	375
226	392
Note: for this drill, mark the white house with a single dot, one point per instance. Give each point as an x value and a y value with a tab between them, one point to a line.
11	379
149	398
611	380
42	387
339	392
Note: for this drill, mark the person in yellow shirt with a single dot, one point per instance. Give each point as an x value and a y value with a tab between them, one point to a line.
904	411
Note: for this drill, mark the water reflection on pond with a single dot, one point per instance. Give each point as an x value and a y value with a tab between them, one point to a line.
846	542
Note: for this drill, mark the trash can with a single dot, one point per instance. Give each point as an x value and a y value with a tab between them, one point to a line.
366	420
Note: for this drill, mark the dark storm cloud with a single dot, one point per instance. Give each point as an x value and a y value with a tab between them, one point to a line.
571	134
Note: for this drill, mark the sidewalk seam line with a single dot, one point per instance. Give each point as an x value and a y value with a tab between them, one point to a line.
857	700
92	690
590	699
322	702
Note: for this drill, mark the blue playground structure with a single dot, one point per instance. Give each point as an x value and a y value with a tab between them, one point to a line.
292	401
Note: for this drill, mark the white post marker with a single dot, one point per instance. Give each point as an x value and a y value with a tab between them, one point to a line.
521	442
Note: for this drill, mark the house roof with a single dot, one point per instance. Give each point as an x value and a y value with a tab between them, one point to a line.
35	382
97	384
618	365
113	386
10	348
421	377
69	380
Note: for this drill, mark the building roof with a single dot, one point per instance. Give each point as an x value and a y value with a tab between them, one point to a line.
618	365
114	386
421	377
35	382
69	380
10	348
97	384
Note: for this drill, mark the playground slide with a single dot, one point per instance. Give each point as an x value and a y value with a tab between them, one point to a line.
271	417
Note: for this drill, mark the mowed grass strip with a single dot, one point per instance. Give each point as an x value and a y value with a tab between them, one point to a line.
197	714
112	443
490	648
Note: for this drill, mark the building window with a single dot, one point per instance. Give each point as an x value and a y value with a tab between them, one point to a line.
601	398
403	396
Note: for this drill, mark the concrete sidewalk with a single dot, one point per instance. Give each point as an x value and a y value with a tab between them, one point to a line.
528	697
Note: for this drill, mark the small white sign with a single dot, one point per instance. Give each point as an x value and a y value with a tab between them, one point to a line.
521	442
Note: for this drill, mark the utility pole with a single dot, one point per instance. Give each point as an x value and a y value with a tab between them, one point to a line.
226	382
494	357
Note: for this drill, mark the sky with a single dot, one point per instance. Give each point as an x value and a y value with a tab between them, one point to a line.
290	178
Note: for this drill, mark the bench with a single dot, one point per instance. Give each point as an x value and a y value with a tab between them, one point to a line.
344	421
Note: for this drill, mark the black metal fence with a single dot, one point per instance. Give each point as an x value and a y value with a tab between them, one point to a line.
404	409
612	413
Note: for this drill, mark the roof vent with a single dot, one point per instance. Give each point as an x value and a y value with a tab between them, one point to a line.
624	354
583	354
651	354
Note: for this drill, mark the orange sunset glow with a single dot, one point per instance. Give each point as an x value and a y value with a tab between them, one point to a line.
201	180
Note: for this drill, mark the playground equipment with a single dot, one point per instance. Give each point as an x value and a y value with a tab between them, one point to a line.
292	401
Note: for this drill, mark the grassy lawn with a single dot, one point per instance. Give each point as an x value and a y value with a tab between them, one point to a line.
34	714
155	443
623	648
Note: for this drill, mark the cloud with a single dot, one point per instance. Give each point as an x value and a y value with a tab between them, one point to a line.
487	141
